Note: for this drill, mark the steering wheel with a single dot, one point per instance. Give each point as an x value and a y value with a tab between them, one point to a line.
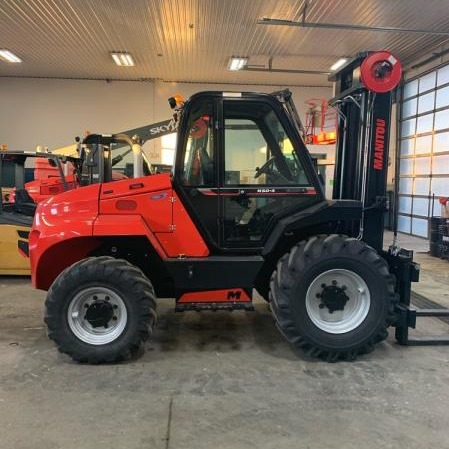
266	167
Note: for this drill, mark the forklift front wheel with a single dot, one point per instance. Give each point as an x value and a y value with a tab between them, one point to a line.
333	297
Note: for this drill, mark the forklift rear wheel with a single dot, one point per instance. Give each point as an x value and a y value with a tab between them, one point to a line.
100	309
333	296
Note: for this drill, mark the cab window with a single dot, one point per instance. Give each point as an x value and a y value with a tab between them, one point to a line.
199	156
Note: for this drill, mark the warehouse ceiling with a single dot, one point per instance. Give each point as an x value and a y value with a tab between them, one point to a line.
192	40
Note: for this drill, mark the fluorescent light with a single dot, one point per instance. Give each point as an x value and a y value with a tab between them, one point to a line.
339	64
237	63
122	58
8	56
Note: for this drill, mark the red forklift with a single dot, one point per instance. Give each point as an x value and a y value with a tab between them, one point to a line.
243	209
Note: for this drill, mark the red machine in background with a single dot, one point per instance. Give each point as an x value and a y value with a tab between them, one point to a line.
47	180
321	122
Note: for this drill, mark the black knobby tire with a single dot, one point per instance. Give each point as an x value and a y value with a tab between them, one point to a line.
125	293
296	292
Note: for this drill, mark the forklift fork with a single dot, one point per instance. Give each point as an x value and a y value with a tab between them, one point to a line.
407	271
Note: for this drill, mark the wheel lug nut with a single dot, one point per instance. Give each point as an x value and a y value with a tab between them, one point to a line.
115	306
114	318
318	295
321	306
106	326
86	306
107	298
334	282
95	297
343	287
323	285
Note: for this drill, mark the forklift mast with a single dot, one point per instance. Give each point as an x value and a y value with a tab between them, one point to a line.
363	93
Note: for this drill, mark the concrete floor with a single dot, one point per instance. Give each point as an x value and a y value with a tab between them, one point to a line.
219	380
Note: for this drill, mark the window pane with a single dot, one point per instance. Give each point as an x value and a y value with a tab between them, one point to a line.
441	142
408	127
419	227
422	165
440	166
259	151
406	185
410	89
407	147
404	224
405	204
439	186
443	75
424	124
442	119
406	167
199	167
247	218
409	108
427	82
436	207
420	206
422	186
426	102
423	145
442	97
246	149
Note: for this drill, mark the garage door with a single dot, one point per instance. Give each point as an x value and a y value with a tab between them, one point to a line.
424	150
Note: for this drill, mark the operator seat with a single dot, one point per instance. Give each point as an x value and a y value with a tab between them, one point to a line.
23	203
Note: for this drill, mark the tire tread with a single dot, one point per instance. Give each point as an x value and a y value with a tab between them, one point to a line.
89	269
313	249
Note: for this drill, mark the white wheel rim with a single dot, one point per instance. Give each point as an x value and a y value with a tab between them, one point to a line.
354	311
83	329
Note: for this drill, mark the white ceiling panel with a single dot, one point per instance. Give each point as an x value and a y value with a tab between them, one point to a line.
192	40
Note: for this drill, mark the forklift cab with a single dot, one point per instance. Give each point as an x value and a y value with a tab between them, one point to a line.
241	167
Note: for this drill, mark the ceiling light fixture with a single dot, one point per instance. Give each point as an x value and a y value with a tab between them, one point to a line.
237	63
340	63
122	58
9	56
